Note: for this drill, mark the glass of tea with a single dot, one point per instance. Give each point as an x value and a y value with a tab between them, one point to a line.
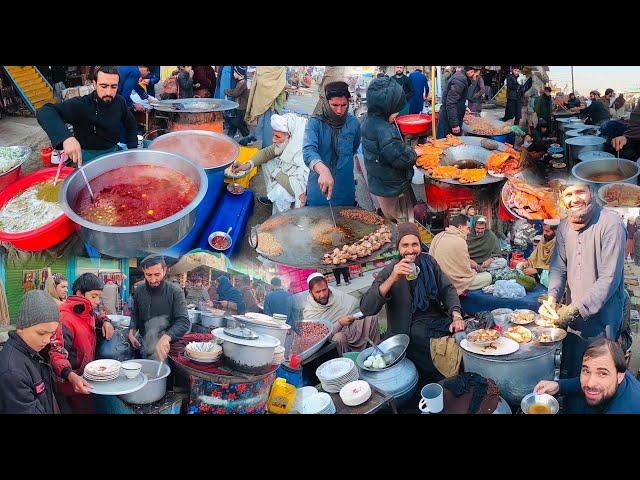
415	271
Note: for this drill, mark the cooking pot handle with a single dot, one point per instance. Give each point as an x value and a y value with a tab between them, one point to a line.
253	237
144	137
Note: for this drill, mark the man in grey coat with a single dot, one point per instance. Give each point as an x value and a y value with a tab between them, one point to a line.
589	259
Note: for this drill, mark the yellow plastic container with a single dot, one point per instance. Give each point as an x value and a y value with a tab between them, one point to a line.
282	396
246	154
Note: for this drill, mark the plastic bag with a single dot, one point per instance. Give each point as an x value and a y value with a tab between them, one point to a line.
497	264
509	289
281	199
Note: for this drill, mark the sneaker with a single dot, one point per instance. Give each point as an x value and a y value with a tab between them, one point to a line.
348	283
265	201
337	284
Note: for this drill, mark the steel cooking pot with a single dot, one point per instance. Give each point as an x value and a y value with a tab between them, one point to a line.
249	356
155	388
584	170
585	143
209	320
139	240
278	331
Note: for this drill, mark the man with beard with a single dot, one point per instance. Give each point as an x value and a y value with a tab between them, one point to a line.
96	119
483	244
597	112
589	259
407	87
349	332
283	165
157	298
604	386
454	101
450	250
540	258
426	308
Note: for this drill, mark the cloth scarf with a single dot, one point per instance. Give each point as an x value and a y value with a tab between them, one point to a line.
291	160
336	122
541	256
483	246
465	382
580	221
426	289
339	305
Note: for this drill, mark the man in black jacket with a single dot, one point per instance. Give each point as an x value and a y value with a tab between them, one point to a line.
597	112
573	101
388	159
26	379
401	79
629	143
514	92
454	100
544	105
159	310
96	119
424	308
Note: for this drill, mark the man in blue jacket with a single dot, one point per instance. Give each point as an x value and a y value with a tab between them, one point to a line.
604	386
420	90
129	78
279	301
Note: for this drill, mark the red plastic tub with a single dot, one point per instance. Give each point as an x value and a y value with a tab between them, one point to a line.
48	235
10	177
415	124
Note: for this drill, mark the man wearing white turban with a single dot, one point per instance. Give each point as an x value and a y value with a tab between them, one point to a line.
285	172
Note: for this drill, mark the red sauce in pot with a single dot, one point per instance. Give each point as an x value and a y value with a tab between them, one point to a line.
135	195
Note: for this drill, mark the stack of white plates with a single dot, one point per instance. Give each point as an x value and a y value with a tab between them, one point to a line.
336	373
102	370
203	352
318	404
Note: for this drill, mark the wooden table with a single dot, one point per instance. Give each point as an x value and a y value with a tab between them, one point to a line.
376	402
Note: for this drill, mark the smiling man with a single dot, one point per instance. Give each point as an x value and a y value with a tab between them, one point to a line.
424	308
604	385
589	259
96	119
154	299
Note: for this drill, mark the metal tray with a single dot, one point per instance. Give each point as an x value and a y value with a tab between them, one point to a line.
527	177
299	248
311	350
120	386
467	129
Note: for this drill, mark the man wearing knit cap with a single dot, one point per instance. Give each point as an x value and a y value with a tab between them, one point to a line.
426	308
26	379
589	259
349	332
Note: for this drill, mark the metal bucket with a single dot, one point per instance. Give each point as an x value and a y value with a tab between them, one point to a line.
515	377
399	380
586	143
140	240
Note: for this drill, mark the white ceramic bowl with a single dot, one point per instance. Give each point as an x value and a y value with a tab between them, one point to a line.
302	394
131	369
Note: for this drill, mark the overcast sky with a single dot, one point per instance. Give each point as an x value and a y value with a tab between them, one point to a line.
600	78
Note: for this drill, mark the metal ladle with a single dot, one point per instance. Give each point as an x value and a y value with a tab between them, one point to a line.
87	183
618	165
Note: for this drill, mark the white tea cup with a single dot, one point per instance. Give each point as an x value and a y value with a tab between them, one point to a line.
432	398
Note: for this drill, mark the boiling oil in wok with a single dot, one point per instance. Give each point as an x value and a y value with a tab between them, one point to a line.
468	164
539	409
135	195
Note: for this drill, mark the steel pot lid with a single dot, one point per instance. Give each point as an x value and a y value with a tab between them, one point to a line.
195	105
263	341
241	332
585	140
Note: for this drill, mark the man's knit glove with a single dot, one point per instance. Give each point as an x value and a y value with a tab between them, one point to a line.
567	314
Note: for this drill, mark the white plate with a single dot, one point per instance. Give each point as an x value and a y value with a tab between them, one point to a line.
120	386
493	173
335	369
110	366
201	360
504	346
316	404
100	377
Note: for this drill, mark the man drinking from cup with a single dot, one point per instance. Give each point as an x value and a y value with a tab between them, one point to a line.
427	308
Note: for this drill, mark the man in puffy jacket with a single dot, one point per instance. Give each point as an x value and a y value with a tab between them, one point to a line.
26	380
454	99
514	92
74	343
389	161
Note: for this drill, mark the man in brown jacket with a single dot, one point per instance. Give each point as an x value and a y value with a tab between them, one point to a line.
240	93
450	250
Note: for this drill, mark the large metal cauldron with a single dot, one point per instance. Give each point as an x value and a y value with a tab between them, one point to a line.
585	143
195	113
584	170
515	374
140	240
